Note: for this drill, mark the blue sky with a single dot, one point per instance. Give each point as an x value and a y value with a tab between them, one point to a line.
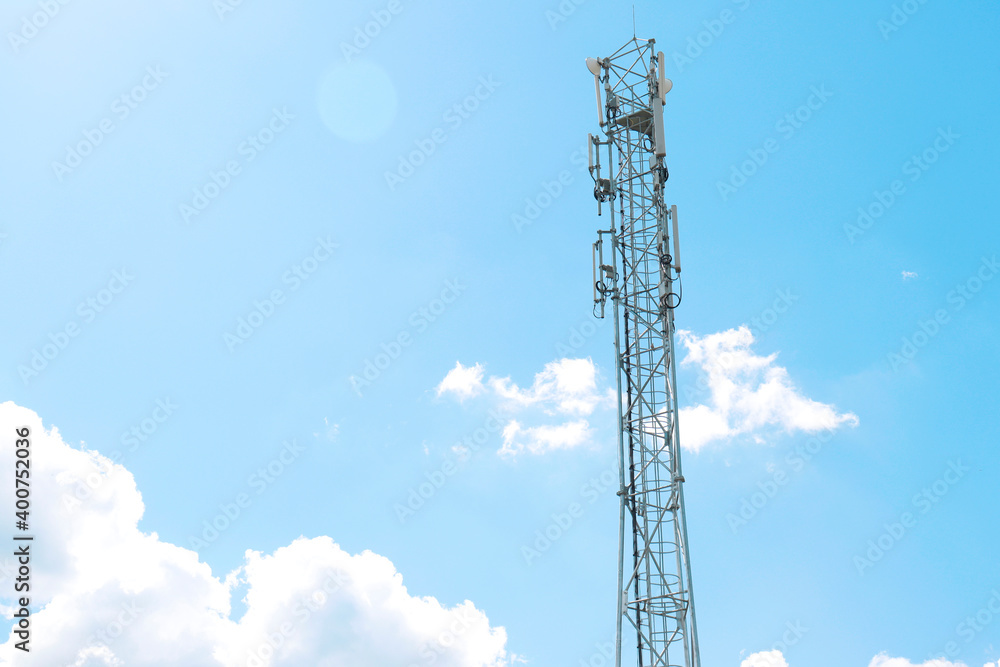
368	198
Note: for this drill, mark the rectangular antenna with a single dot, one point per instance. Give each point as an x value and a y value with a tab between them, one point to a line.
594	249
662	86
677	240
661	149
600	104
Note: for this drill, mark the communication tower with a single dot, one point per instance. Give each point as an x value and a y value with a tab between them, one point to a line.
634	267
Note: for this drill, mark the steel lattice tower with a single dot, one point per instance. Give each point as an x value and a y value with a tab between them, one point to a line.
634	267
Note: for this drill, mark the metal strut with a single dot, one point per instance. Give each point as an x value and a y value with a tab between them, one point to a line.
642	279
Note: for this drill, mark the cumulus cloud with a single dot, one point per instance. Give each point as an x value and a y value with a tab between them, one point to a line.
883	660
462	381
909	275
566	386
748	393
556	404
776	659
325	606
105	593
540	439
765	659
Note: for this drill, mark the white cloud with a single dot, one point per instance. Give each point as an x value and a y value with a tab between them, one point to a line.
747	393
765	659
105	593
360	613
567	386
540	439
776	659
557	402
883	660
463	381
702	424
909	275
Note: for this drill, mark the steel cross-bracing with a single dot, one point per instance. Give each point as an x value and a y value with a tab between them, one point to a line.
636	267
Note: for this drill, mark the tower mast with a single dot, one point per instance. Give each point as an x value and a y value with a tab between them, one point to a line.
638	269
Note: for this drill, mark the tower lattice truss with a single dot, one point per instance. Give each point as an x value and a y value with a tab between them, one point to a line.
636	267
